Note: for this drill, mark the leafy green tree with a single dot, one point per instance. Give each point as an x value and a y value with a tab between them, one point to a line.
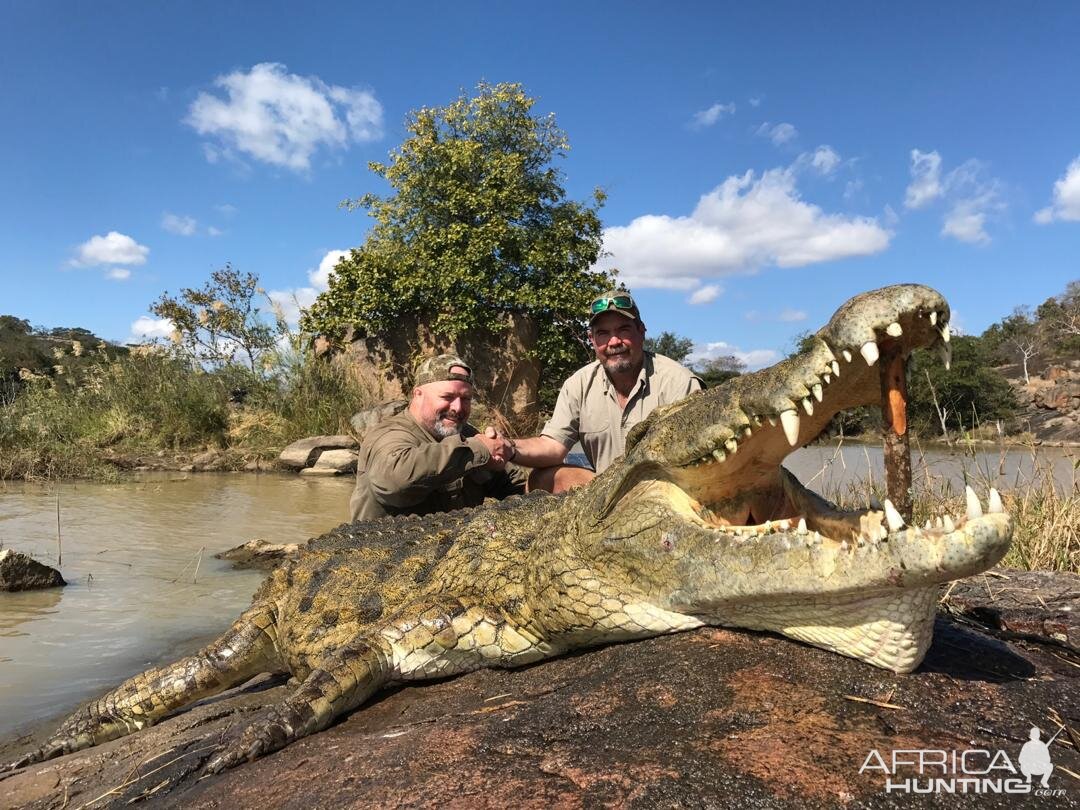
972	392
719	369
478	227
221	321
670	345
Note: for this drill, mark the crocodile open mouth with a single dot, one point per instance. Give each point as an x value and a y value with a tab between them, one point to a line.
739	483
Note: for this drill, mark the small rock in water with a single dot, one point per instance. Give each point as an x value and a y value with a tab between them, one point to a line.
21	572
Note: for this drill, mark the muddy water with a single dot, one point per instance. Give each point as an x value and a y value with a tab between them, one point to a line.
145	588
143	581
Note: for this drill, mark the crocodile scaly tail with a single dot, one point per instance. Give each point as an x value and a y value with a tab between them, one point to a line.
245	650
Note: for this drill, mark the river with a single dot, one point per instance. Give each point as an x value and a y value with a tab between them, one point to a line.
144	587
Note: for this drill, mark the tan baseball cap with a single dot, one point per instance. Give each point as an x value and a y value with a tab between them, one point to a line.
440	369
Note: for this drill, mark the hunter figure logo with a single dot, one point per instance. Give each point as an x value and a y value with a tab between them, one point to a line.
973	770
1035	758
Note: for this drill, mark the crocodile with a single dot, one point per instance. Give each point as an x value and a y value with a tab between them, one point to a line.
697	524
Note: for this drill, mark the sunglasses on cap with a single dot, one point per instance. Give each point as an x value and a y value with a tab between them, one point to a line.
621	301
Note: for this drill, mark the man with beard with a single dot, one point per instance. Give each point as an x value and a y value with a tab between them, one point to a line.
599	404
428	458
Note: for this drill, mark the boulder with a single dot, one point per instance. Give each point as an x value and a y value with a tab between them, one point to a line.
305	452
336	461
710	718
206	461
21	572
259	554
363	421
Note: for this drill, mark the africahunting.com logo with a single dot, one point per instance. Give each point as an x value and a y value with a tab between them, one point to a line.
971	770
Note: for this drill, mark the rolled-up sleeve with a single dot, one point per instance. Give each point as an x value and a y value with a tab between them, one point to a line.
564	426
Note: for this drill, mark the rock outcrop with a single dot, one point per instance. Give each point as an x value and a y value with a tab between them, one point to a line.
1050	403
21	572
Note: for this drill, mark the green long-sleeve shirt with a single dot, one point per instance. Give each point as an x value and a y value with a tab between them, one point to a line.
404	470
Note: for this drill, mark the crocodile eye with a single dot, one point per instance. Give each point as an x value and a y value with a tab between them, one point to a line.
667	541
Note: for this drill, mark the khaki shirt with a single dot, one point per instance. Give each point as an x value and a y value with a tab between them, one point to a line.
587	409
404	470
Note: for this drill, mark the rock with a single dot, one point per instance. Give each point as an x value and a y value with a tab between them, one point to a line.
206	461
363	421
317	471
303	453
186	468
1055	372
21	572
337	461
678	721
259	554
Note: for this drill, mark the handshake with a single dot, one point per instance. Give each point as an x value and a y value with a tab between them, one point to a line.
501	447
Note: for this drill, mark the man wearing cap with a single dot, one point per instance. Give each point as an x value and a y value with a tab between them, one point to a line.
428	458
601	402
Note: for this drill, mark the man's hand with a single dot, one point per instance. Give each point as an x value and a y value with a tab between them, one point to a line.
500	447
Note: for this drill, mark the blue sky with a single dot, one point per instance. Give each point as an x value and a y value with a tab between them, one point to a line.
763	162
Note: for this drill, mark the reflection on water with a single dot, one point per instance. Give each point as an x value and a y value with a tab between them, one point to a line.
144	583
142	578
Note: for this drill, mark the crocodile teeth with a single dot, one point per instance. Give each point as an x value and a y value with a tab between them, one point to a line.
790	421
892	517
869	352
945	333
995	505
772	421
938	523
808	406
815	389
802	526
815	538
836	368
933	318
944	351
949	525
974	508
844	545
927	524
827	378
894	330
732	446
719	455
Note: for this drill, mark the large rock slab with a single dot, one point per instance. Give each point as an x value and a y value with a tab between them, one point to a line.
711	718
21	572
305	452
335	461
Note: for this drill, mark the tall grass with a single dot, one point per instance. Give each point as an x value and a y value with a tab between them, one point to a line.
1045	511
152	400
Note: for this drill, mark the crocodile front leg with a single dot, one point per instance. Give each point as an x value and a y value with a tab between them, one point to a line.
422	641
245	650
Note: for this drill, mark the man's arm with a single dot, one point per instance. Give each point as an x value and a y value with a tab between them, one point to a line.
538	451
403	472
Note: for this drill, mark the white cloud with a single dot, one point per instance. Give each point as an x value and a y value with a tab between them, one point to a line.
925	179
825	159
791	315
754	359
706	118
291	302
1066	202
147	328
743	224
706	294
182	226
226	210
113	248
755	101
212	231
118	274
779	134
975	198
281	118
